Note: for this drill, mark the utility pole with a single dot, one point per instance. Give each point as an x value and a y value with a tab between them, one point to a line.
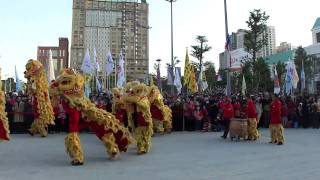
172	63
226	52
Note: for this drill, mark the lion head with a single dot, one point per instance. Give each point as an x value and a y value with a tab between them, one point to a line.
69	82
33	68
154	94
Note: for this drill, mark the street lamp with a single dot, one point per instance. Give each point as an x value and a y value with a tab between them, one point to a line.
172	63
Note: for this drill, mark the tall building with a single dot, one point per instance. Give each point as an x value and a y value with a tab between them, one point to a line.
316	31
313	51
270	48
240	38
60	55
113	25
284	46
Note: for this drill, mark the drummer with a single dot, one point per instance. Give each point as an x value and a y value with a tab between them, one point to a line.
251	113
228	113
276	129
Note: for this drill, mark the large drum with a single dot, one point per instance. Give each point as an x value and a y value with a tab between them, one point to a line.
238	128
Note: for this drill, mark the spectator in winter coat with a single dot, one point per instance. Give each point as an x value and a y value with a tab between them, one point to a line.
284	114
198	115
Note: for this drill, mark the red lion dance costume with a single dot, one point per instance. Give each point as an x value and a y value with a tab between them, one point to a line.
38	90
116	138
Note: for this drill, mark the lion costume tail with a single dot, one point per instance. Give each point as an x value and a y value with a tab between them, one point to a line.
103	124
167	122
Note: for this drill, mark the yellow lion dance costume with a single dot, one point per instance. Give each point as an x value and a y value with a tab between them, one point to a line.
118	106
161	114
37	87
116	138
4	126
139	116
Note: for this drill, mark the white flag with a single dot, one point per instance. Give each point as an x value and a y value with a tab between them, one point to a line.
51	76
276	89
86	65
96	67
109	64
202	83
170	75
99	86
244	86
121	78
177	79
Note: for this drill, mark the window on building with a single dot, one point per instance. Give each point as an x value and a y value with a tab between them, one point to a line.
318	37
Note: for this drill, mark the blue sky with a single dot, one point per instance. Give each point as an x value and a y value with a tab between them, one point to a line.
26	24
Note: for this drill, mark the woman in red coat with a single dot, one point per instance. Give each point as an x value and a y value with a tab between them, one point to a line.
276	128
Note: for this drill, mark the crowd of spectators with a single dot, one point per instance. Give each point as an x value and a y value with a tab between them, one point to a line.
199	112
203	112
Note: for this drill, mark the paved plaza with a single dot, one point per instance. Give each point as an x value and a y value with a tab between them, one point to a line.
180	155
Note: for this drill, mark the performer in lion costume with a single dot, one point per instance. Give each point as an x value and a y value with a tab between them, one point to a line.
139	116
116	138
4	126
37	88
118	106
161	114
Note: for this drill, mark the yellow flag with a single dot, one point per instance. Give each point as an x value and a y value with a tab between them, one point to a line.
193	86
151	81
187	70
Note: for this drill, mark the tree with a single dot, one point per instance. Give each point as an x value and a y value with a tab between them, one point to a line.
223	74
198	50
301	56
281	70
257	75
255	39
210	74
261	76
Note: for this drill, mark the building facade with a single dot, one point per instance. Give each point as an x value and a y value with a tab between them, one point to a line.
112	25
270	48
60	55
240	38
284	47
316	32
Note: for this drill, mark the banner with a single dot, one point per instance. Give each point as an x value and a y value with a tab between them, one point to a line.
276	82
177	79
121	78
109	64
244	86
86	65
51	75
96	66
238	57
170	75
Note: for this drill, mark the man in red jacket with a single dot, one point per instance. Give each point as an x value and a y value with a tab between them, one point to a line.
251	112
228	113
276	129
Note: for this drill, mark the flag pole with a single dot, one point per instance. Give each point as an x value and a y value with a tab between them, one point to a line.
115	72
226	51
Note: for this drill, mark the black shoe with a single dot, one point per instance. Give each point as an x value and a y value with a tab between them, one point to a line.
280	143
29	132
76	163
224	137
